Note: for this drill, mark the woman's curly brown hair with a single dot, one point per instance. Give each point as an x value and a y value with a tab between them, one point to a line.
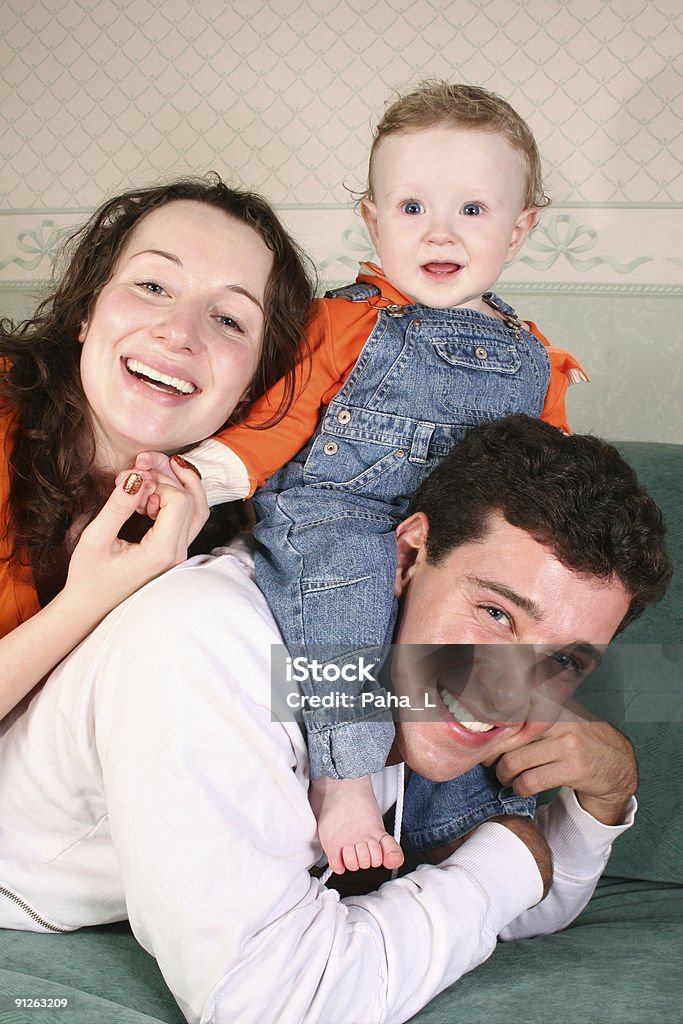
40	384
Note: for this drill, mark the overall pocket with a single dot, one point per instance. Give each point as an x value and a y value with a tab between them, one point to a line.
481	376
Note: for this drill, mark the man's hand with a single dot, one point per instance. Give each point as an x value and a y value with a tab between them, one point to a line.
582	752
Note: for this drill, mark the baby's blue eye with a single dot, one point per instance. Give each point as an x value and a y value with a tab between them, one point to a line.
413	207
471	209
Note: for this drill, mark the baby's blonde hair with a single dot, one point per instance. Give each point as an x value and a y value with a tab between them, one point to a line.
436	102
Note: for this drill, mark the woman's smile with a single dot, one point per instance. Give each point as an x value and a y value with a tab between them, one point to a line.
158	380
178	326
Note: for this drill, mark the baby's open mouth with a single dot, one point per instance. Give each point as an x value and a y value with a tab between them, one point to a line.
159	381
441	269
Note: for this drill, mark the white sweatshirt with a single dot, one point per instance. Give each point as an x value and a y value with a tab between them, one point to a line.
148	781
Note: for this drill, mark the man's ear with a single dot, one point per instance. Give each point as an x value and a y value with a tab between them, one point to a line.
411	543
368	212
523	226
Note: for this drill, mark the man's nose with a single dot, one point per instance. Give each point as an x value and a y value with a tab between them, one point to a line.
504	675
179	328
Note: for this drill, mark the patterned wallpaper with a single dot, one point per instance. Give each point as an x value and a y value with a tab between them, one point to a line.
281	96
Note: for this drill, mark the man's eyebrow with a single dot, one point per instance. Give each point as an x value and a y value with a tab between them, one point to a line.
590	650
178	262
525	603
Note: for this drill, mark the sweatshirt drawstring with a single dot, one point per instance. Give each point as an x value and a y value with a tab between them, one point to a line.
398	813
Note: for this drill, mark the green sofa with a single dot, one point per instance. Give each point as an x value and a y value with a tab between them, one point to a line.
620	963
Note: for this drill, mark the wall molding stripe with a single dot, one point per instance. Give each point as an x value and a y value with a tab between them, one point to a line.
282	96
37	285
84	211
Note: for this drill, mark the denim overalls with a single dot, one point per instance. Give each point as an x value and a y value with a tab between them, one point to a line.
326	551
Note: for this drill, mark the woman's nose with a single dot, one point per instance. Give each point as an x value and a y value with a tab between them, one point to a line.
179	328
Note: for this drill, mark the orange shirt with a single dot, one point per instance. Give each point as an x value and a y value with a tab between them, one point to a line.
336	335
18	597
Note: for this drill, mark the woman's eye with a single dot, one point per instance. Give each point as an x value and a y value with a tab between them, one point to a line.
413	207
151	286
471	209
230	323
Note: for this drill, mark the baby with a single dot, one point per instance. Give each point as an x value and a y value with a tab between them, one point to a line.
404	361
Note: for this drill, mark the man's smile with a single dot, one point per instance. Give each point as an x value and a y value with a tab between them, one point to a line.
461	714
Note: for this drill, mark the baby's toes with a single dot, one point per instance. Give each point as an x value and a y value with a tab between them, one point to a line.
350	857
392	854
376	855
363	855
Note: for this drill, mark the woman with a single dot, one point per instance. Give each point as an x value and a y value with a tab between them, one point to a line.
179	306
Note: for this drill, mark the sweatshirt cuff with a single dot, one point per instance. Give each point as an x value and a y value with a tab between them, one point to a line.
577	838
504	868
224	475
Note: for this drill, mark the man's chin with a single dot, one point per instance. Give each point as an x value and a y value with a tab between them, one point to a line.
434	755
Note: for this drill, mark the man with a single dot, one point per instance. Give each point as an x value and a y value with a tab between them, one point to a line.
148	780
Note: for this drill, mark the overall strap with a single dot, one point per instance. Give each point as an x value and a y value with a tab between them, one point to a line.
357	292
507	312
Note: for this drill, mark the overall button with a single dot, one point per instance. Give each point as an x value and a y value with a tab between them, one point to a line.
394	310
331	448
344	416
480	352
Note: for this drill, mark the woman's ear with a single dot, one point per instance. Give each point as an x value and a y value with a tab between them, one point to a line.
83	331
411	544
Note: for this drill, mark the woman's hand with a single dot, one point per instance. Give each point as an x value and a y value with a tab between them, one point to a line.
104	569
174	470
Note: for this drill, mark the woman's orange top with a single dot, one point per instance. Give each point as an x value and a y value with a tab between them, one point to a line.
18	595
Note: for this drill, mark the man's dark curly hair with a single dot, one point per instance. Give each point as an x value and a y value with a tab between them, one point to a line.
574	494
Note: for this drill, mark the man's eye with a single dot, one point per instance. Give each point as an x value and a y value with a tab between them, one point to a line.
471	209
495	613
413	207
566	663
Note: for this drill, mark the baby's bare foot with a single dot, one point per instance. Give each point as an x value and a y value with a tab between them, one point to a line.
350	825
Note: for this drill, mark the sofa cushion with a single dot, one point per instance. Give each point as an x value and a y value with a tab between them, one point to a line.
107	977
595	971
660	470
618	962
640	689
